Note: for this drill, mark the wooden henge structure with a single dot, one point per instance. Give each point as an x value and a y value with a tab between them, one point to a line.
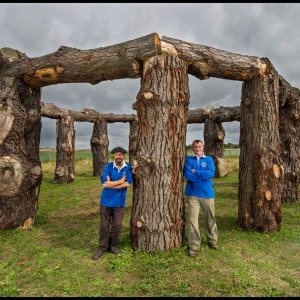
214	135
269	163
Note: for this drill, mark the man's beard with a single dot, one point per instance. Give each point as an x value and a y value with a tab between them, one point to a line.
119	162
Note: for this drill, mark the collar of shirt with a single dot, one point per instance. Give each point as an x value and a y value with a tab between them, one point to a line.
203	155
123	166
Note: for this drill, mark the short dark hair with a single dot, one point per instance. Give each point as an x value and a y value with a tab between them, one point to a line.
197	142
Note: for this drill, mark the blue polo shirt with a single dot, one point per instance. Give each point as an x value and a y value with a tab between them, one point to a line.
199	183
115	197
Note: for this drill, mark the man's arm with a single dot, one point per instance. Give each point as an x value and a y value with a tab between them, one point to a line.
114	184
197	175
189	172
121	186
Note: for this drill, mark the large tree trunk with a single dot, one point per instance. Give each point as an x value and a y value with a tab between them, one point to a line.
65	151
67	64
157	219
289	130
20	167
99	146
214	135
261	171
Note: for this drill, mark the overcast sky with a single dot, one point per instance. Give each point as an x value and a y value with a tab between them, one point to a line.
255	29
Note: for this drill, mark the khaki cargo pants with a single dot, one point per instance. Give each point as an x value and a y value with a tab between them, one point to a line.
208	207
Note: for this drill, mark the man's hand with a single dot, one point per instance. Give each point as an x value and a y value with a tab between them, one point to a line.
107	178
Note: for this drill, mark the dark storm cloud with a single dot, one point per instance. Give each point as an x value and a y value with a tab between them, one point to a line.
255	29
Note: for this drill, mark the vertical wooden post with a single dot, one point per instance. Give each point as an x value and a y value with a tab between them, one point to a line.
260	172
20	166
289	130
133	136
99	145
65	150
157	219
214	135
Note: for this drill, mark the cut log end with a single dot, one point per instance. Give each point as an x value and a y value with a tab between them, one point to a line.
148	96
247	101
43	76
268	195
137	68
33	115
276	170
27	224
6	121
139	224
10	176
221	135
167	48
157	43
263	68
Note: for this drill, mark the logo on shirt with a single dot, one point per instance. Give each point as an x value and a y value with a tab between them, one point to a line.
203	164
123	174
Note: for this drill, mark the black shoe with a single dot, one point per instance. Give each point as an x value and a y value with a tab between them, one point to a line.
115	250
214	246
98	254
192	252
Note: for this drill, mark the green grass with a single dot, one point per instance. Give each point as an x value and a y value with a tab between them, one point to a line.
53	258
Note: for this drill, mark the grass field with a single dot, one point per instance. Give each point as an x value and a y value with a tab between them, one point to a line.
50	155
53	258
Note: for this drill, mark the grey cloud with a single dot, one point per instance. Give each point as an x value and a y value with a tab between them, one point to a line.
256	29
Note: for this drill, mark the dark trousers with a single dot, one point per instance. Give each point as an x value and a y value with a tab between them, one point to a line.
110	225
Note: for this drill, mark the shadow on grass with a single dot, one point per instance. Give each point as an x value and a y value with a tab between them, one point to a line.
77	230
226	223
80	230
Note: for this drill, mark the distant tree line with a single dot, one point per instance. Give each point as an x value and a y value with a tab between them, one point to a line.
226	146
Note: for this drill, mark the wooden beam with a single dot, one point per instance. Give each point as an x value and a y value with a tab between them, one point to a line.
71	65
205	62
221	114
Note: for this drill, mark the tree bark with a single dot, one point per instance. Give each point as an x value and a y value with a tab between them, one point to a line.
289	130
20	167
99	146
157	216
133	140
65	151
204	62
261	170
67	64
214	135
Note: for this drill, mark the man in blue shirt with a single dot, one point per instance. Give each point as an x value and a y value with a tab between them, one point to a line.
199	170
116	178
